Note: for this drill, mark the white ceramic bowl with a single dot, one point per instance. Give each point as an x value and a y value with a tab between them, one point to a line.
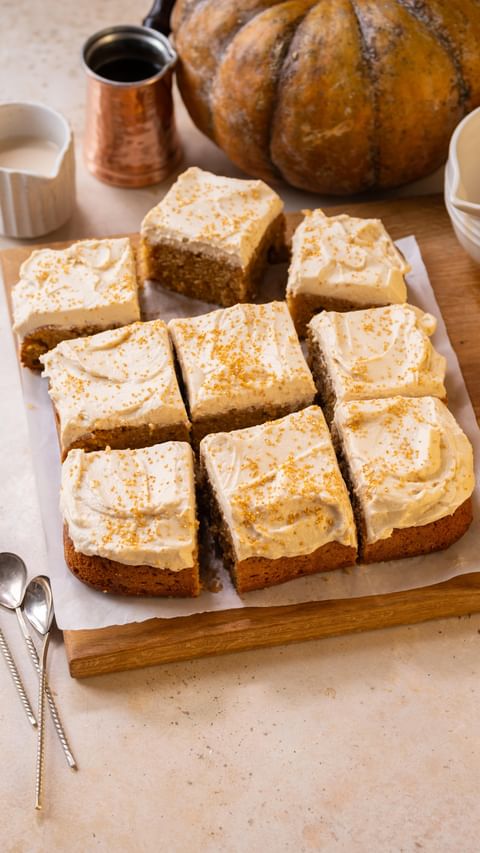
469	222
471	245
468	239
32	204
462	184
463	165
465	223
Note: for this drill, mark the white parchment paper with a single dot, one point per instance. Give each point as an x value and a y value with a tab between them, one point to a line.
78	606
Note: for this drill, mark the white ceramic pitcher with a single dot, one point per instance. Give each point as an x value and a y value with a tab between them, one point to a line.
32	204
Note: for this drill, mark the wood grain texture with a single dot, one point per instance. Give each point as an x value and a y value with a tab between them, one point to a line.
163	641
456	281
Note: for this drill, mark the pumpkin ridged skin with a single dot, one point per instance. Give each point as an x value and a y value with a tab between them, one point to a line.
329	143
334	96
416	95
460	29
260	47
202	31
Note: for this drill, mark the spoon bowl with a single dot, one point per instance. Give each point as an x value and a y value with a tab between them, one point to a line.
13	580
38	604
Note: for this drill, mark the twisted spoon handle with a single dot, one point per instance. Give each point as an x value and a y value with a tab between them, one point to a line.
16	679
41	725
51	702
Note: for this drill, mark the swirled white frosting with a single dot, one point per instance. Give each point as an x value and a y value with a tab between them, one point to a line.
409	460
121	377
218	215
239	357
279	486
91	283
343	257
133	506
380	352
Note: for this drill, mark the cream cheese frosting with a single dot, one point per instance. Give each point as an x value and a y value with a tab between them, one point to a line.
410	462
91	283
279	486
344	257
121	377
218	215
239	357
380	352
136	507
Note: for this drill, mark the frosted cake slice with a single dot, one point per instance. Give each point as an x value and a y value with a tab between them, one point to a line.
210	236
117	389
129	520
410	470
377	352
88	287
241	366
278	505
341	263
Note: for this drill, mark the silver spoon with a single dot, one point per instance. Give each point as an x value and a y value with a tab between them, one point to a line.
38	607
13	581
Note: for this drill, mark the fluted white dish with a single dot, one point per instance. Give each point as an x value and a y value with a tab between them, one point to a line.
462	184
463	165
468	223
468	239
471	223
34	204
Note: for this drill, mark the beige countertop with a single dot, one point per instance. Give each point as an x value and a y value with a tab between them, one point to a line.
362	743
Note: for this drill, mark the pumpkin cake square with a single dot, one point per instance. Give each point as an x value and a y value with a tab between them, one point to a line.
116	389
278	506
342	263
241	366
129	520
210	236
67	293
377	352
410	471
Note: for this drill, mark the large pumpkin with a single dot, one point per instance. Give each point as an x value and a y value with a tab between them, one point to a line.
335	96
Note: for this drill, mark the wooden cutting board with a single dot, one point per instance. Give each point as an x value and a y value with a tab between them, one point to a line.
456	281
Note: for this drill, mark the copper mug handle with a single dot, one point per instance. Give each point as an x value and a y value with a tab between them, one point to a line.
158	17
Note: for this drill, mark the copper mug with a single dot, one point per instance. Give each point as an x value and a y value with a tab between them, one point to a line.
130	135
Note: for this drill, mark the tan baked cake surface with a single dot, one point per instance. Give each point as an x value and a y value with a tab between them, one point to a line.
237	358
91	283
409	462
117	385
221	217
280	493
134	507
377	352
